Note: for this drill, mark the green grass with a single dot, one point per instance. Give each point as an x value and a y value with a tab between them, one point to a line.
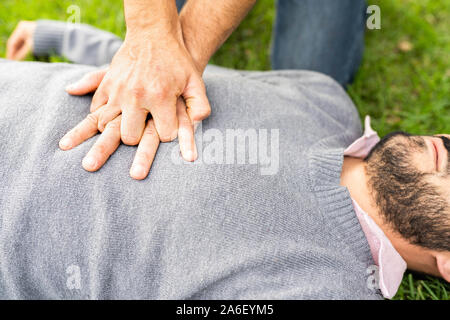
400	90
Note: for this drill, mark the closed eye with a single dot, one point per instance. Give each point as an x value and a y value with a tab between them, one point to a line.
436	156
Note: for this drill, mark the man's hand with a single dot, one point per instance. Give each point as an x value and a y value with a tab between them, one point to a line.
158	65
149	73
96	122
148	76
108	142
20	43
110	138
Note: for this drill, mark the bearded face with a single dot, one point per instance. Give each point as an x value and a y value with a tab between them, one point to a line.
409	177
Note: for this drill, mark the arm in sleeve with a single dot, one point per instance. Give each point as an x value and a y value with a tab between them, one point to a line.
80	43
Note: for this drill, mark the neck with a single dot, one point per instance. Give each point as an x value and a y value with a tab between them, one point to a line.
355	179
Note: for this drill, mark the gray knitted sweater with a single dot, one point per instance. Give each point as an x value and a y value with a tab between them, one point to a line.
209	230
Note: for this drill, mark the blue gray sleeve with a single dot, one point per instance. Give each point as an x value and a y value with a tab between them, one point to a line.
80	43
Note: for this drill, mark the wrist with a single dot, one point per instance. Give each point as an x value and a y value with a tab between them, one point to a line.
154	29
151	17
201	51
157	34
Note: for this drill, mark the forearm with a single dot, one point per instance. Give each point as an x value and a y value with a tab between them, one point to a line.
207	24
147	19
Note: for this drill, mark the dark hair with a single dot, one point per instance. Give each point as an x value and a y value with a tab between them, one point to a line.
386	139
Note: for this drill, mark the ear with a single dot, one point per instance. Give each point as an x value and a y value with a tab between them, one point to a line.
443	264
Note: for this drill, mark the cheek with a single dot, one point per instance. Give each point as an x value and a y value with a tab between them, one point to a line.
422	162
442	184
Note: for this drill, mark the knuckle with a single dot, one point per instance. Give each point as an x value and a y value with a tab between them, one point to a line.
99	99
130	140
201	114
167	137
102	124
150	131
92	119
160	93
138	92
105	85
112	125
206	112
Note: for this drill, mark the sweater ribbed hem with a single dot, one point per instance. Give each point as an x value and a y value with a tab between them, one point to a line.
48	37
335	200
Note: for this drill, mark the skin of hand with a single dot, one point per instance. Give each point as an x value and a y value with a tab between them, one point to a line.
20	43
201	45
207	24
145	79
95	122
149	73
110	137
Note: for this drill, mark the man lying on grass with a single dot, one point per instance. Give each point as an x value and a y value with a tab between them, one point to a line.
341	216
297	206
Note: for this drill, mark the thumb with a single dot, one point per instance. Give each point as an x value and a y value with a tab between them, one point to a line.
13	46
197	103
22	52
87	84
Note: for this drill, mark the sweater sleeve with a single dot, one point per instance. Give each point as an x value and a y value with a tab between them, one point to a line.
80	43
48	37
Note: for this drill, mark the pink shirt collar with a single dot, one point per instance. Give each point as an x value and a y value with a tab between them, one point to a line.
391	265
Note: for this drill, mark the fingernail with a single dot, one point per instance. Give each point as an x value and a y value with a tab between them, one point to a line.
90	163
137	171
65	143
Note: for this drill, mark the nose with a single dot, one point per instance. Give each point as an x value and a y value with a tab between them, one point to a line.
442	135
